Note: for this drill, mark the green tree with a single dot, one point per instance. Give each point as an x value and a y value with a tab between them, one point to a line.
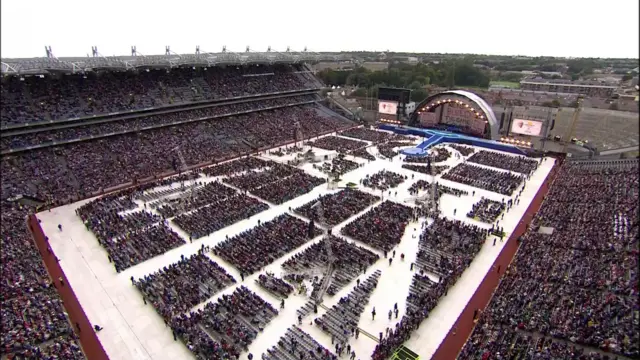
415	85
626	77
418	95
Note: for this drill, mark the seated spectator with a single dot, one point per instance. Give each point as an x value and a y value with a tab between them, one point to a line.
180	286
35	319
350	262
519	164
253	249
373	136
383	180
218	215
381	227
588	262
362	153
338	144
234	321
464	150
339	206
432	170
486	210
338	166
274	285
500	182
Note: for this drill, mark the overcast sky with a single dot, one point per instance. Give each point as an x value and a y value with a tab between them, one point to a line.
575	28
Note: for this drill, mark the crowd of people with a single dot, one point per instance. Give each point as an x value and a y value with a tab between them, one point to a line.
436	155
336	143
504	183
65	347
82	168
424	295
374	136
381	227
486	210
241	165
234	321
383	180
109	216
36	99
290	188
277	184
363	154
341	320
252	250
101	128
297	344
275	285
387	149
218	215
447	247
140	245
33	319
61	173
577	285
464	150
191	199
422	185
589	262
337	207
423	169
350	261
178	287
519	164
338	166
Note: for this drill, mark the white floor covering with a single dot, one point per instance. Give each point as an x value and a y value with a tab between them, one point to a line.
134	331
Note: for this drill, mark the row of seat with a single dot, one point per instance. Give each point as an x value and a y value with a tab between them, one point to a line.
345	315
296	345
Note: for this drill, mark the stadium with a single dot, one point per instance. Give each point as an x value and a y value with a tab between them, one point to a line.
219	206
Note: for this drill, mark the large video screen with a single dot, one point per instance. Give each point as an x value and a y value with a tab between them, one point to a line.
526	127
387	107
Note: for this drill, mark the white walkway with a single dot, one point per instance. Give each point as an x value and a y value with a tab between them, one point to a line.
134	331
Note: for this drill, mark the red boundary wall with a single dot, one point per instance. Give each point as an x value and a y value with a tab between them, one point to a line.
88	339
457	336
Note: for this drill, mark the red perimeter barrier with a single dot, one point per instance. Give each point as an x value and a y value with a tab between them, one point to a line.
454	341
83	328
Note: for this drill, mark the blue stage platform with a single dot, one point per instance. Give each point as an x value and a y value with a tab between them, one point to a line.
435	137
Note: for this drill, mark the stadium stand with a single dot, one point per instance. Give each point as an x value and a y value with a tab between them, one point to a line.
35	99
577	286
77	151
588	263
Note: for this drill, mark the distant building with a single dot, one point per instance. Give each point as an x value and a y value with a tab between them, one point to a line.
564	87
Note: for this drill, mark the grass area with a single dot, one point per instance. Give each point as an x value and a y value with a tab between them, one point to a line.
509	84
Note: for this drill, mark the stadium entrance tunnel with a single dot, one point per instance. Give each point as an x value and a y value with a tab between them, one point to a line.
457	111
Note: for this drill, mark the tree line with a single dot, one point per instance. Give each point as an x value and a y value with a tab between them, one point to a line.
414	77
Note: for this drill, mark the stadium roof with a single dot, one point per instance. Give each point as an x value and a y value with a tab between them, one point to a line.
44	65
